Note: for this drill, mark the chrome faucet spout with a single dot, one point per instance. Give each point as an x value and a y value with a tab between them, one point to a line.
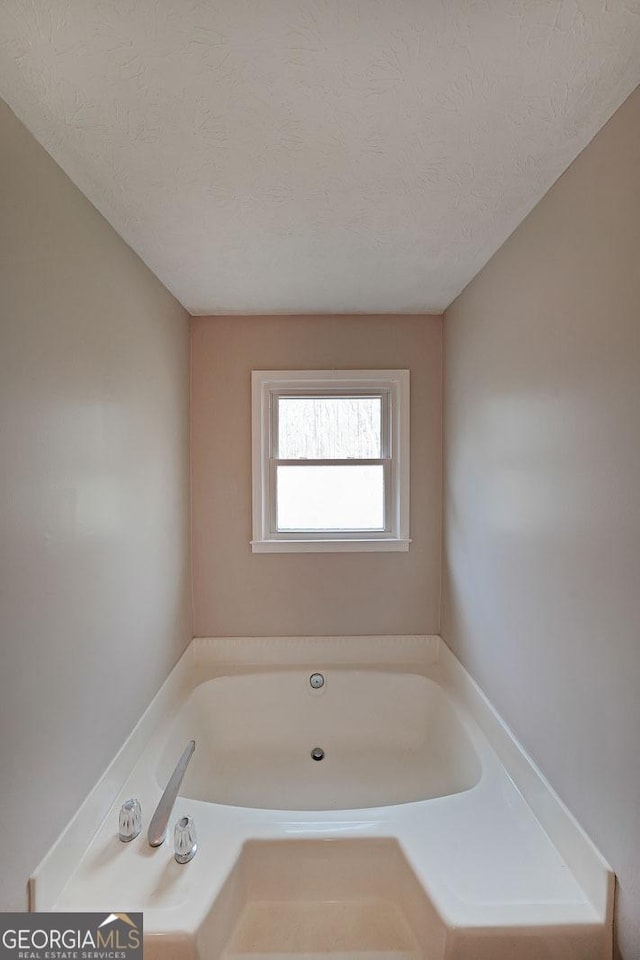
160	820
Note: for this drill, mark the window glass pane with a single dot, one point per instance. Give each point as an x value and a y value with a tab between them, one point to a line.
329	428
330	498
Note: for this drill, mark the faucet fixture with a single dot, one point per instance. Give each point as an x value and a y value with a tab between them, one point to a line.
160	820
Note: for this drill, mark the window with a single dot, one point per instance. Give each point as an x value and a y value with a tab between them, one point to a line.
330	460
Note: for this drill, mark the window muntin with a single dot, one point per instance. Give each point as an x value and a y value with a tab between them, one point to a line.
331	460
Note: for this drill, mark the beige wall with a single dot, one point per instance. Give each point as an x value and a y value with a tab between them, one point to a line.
243	594
542	452
94	561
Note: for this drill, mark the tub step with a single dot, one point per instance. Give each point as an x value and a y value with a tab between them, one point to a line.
315	930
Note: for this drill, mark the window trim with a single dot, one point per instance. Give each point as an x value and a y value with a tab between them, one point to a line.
394	387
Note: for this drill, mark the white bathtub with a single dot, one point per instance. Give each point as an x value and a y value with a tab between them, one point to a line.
412	837
387	738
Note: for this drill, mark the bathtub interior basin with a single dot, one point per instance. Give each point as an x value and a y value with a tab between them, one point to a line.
383	738
321	898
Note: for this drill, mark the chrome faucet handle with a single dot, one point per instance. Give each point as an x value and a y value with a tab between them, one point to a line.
185	840
130	822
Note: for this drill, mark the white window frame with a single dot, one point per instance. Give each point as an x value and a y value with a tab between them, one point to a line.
393	386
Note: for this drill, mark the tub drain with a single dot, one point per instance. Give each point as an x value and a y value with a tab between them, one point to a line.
317	753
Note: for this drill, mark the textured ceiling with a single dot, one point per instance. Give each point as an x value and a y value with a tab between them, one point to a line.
325	156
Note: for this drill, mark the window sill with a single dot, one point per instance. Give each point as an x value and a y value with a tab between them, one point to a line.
386	545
